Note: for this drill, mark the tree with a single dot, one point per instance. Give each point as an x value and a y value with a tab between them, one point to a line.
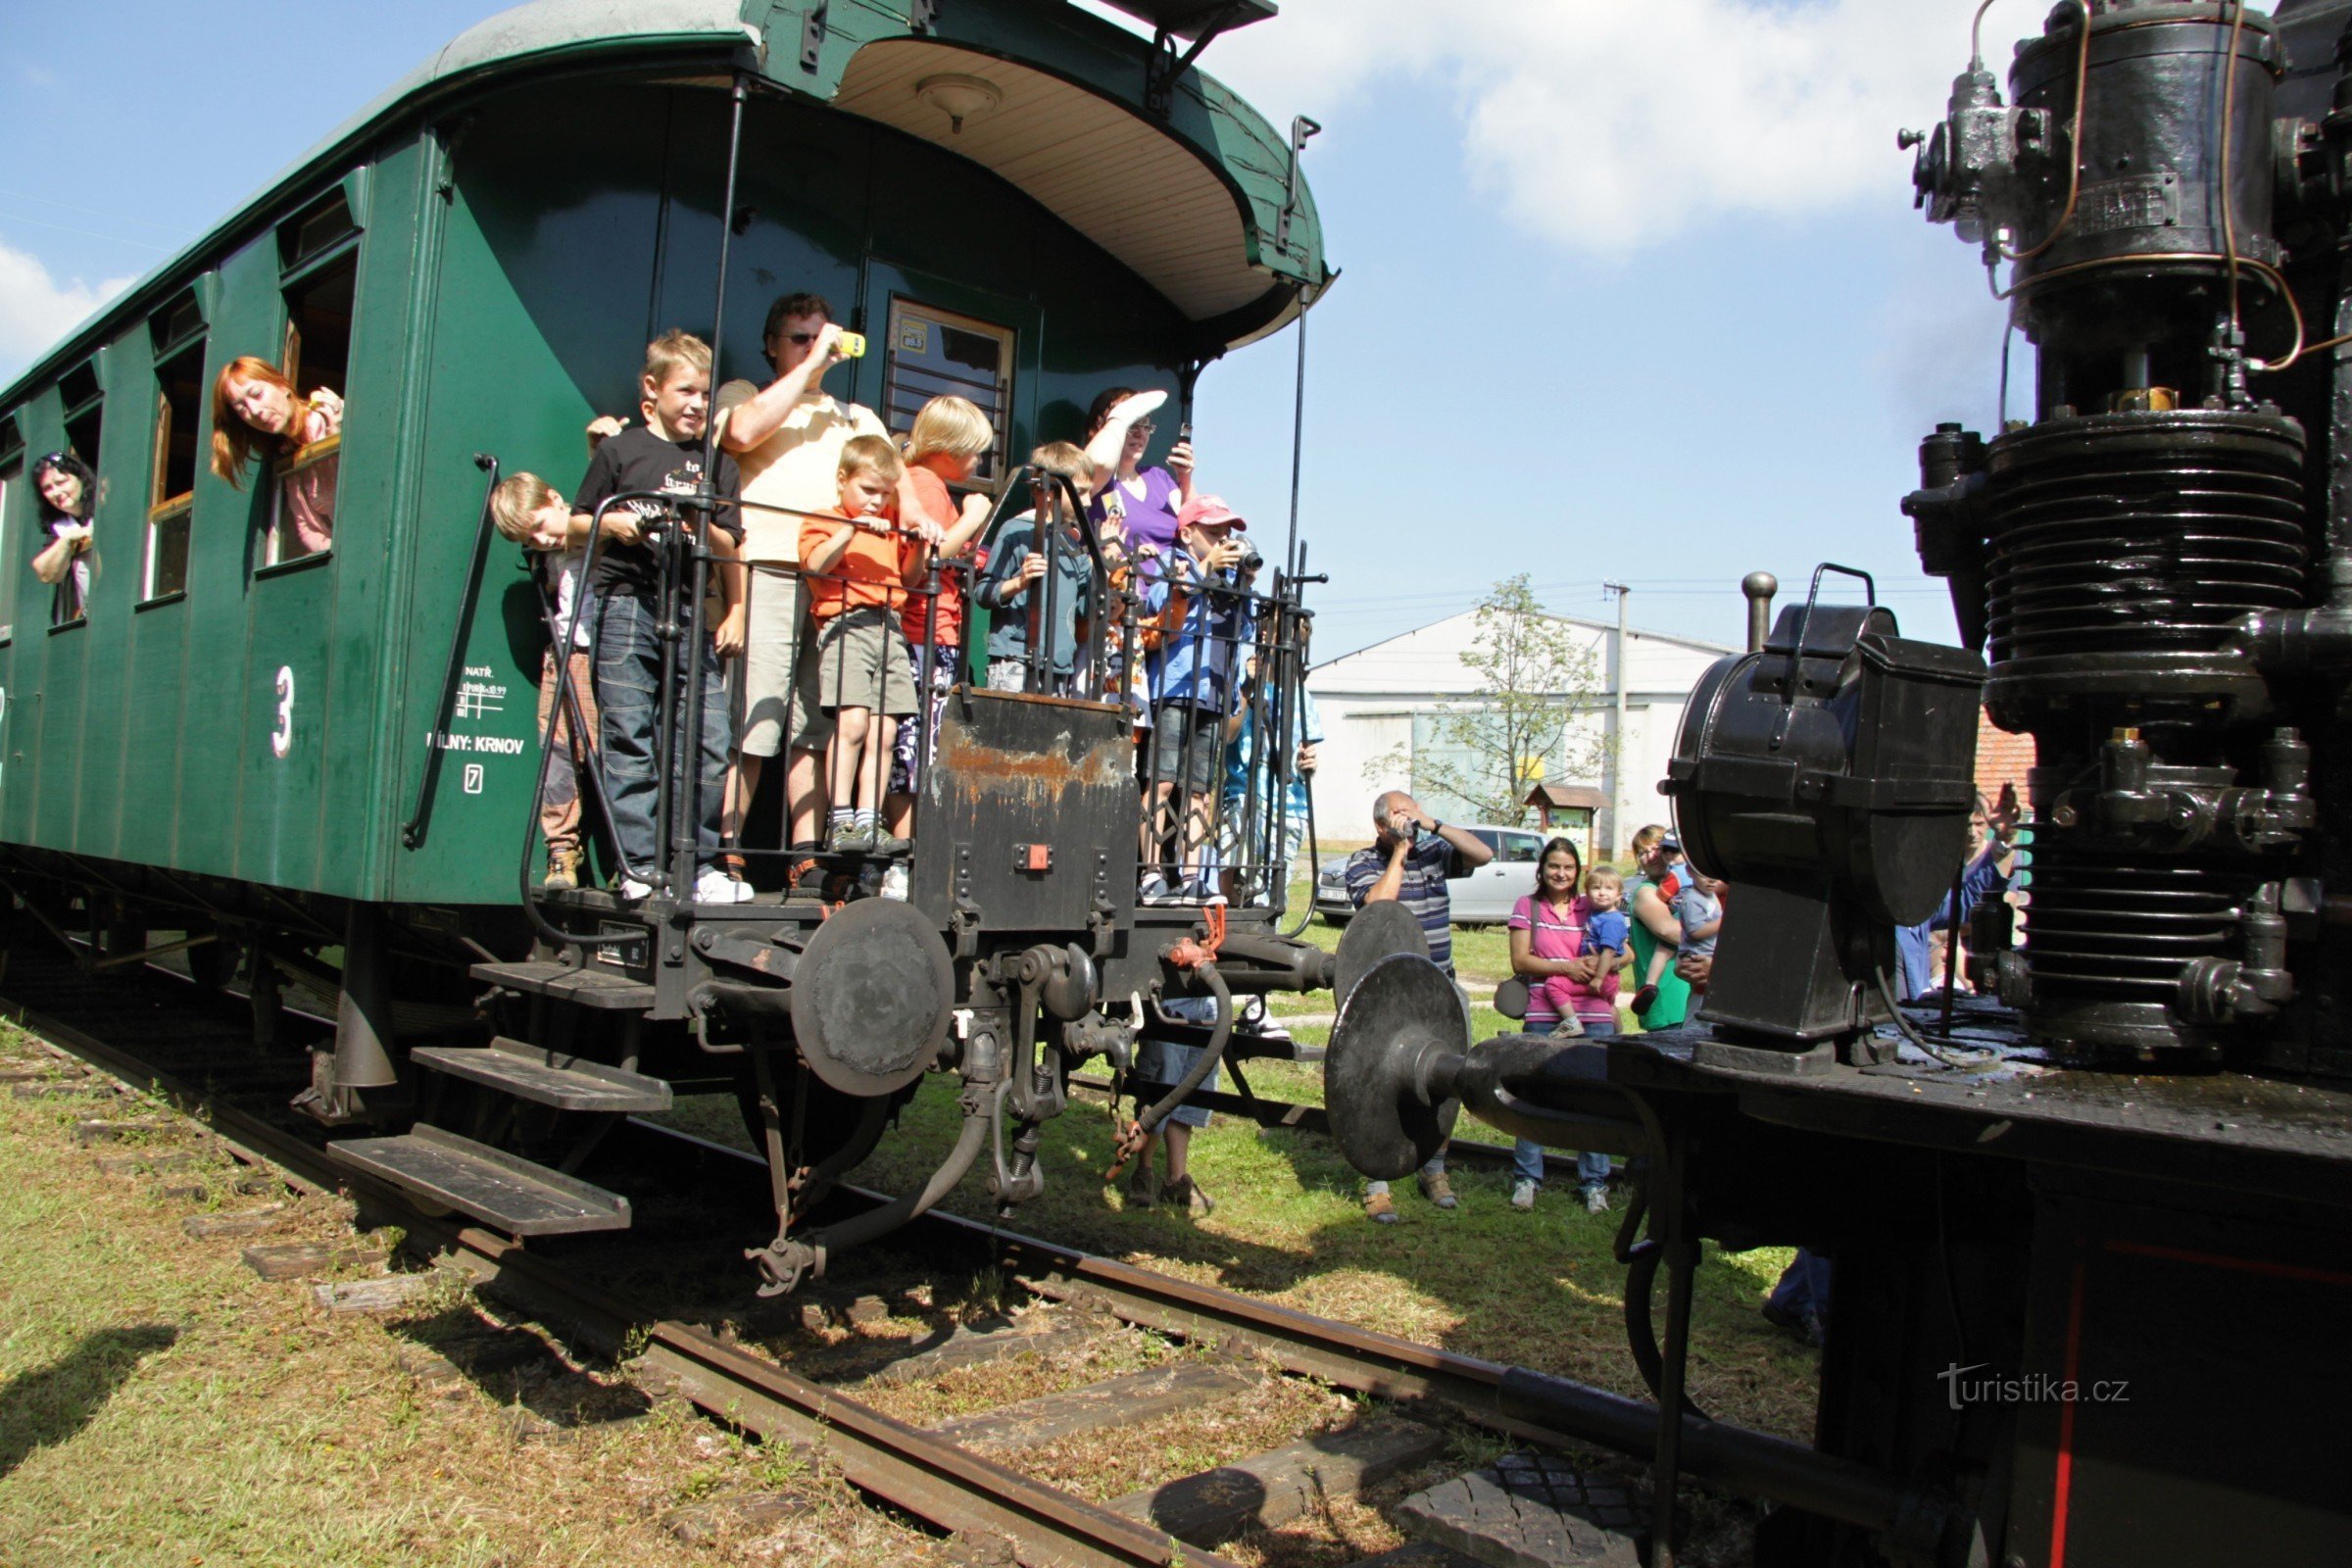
1535	672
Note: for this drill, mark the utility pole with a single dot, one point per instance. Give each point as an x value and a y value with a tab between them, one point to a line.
1616	758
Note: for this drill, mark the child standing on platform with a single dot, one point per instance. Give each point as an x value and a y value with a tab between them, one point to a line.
526	509
951	436
862	565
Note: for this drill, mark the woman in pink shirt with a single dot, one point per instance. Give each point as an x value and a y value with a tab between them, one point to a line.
1548	939
256	412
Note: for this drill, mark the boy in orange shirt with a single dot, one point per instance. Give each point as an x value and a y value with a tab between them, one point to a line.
861	565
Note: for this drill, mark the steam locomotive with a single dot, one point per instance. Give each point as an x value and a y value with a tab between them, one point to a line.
2086	1227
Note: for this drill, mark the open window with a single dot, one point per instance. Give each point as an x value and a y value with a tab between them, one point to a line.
179	396
85	409
322	269
12	494
12	497
933	352
85	427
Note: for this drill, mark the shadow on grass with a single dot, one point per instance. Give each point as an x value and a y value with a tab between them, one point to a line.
50	1404
514	1367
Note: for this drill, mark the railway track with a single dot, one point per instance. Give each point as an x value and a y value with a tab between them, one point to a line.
940	1477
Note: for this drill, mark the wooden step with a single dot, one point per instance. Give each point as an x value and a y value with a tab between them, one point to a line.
595	986
567	1083
516	1195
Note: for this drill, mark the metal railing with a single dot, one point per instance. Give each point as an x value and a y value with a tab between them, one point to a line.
1171	645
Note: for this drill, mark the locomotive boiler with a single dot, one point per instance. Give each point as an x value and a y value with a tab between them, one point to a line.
2086	1225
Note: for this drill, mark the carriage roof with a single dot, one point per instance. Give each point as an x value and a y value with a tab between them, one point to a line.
1190	200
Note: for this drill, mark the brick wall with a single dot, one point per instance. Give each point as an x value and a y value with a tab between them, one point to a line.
2001	758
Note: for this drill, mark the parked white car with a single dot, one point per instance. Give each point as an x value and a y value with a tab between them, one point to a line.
1481	896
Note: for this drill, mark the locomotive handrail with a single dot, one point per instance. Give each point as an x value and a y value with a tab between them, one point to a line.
412	832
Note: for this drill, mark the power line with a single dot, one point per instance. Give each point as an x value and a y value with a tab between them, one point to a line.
86	233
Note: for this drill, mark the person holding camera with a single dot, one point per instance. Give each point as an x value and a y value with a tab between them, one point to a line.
1197	618
1146	504
1407	860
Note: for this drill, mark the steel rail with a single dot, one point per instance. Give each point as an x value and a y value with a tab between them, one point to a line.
1516	1401
932	1478
901	1465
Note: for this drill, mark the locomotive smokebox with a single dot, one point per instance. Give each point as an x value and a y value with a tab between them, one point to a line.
1828	778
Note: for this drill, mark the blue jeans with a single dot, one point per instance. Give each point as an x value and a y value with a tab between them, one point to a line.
629	680
1527	1155
1803	1288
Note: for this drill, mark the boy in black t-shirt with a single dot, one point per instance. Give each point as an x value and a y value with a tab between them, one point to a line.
665	455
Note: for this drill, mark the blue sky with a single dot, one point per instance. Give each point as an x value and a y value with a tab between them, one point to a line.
1630	293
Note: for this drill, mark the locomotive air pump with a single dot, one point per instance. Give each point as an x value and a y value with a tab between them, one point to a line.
2144	561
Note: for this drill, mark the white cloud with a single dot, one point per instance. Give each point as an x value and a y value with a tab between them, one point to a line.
1613	125
36	308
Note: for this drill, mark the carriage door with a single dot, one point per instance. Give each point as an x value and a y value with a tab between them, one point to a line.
926	337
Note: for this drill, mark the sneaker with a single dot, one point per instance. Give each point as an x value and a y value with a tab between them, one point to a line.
1644	1000
630	889
1523	1194
890	845
894	883
562	871
1142	1186
1156	890
1379	1210
851	839
1186	1193
1597	1199
714	886
1438	1189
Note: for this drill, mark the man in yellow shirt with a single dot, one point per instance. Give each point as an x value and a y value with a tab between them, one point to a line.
787	437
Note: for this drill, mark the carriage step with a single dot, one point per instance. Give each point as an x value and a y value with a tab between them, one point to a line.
586	988
514	1194
546	1078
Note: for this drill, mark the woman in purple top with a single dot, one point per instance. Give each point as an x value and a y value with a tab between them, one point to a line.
1146	500
1548	939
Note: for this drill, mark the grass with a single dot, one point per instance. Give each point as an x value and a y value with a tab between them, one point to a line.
1540	1289
1543	1288
161	1406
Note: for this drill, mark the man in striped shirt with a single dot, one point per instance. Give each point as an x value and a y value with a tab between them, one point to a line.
1408	861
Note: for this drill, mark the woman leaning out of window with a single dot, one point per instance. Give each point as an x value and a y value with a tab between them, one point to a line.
256	411
68	494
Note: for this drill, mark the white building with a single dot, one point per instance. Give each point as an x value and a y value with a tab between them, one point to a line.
1384	700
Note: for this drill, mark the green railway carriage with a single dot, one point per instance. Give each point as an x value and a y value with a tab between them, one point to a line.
319	742
475	261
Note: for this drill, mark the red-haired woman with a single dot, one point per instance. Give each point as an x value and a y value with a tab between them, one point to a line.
256	412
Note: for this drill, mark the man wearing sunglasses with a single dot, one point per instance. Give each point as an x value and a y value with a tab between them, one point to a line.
788	438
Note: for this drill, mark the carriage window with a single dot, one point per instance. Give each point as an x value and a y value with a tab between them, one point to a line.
84	410
11	483
317	360
932	351
179	393
315	232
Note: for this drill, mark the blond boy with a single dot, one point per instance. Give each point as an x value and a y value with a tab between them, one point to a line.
665	457
860	566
